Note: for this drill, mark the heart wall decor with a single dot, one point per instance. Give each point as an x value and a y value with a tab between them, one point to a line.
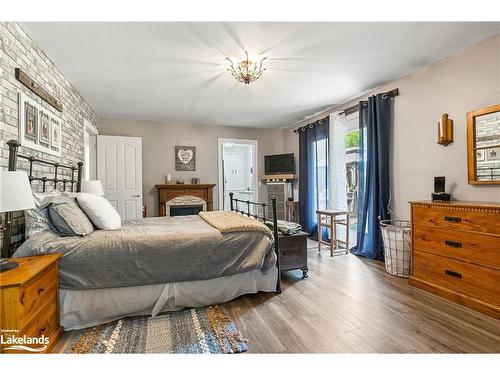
185	155
185	158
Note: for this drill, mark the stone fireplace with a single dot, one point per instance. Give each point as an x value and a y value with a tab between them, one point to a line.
185	205
193	209
185	198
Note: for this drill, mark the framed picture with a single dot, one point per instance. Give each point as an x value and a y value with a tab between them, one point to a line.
39	128
55	139
480	155
185	158
493	154
44	129
30	122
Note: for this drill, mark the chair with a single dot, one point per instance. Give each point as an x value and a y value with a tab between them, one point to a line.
330	219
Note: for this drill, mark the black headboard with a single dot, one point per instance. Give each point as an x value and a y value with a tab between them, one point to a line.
57	182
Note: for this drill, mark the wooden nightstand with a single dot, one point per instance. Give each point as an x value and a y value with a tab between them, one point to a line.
29	303
293	252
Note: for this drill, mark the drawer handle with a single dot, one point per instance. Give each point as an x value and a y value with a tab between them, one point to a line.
41	290
452	219
453	273
453	243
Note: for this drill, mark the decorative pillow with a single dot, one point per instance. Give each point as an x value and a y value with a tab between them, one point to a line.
68	219
99	211
70	194
37	219
41	198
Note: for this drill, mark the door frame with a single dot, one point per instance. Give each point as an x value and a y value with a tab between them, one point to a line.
220	165
88	128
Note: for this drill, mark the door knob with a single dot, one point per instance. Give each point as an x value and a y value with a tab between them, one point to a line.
136	196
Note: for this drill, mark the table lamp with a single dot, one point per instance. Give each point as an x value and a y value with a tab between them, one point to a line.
15	195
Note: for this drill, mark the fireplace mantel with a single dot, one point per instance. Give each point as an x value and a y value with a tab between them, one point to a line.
167	192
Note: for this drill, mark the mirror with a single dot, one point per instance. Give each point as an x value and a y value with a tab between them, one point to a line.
483	146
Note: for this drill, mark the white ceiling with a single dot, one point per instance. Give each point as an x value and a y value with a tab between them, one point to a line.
175	72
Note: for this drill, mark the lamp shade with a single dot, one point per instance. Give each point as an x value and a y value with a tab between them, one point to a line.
15	191
92	187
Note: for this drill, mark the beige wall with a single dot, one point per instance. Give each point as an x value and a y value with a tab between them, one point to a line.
455	85
159	139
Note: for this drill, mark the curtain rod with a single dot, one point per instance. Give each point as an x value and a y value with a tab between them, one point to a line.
354	108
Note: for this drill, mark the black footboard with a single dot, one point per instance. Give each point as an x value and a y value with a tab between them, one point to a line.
274	219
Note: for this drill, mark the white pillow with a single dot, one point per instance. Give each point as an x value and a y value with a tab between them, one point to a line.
100	212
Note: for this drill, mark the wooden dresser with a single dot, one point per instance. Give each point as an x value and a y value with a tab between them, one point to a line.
29	302
456	252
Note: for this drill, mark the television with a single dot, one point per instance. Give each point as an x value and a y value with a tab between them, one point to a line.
279	164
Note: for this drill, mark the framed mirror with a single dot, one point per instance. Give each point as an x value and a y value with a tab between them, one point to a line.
483	146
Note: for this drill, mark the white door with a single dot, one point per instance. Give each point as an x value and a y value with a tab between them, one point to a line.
119	167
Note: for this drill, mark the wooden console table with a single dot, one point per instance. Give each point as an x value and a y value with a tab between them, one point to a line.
166	192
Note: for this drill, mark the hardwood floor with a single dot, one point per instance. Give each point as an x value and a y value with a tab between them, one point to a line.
351	305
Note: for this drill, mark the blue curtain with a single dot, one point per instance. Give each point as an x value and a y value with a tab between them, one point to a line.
374	188
313	169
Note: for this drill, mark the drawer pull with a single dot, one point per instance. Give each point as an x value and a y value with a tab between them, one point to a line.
40	290
453	273
453	243
452	219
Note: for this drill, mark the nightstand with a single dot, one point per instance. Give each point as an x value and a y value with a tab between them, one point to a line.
293	252
29	305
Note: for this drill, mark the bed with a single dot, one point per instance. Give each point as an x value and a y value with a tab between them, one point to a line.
153	265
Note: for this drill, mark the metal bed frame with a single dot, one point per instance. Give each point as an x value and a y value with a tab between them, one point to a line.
234	207
73	184
76	183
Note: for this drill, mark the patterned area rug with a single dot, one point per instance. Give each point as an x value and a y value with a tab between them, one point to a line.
201	330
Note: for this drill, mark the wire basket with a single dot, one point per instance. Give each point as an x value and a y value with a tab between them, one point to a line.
396	235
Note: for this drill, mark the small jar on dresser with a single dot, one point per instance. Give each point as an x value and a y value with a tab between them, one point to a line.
456	252
29	305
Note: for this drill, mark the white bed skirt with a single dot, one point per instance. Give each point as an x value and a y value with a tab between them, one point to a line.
87	308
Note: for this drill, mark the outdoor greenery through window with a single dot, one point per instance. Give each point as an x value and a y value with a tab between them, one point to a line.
352	139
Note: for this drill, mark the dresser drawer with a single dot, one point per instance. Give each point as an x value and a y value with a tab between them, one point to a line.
479	282
453	218
470	247
45	323
36	293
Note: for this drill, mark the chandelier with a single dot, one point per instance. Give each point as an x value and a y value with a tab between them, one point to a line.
246	71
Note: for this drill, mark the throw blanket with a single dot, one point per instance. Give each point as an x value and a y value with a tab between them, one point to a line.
286	227
230	221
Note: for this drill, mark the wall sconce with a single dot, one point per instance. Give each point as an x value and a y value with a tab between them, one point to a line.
445	130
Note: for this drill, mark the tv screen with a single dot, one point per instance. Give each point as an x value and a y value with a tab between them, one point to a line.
279	164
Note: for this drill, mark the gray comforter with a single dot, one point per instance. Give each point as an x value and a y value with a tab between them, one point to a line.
152	251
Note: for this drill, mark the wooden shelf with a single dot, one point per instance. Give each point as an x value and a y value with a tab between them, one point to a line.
279	177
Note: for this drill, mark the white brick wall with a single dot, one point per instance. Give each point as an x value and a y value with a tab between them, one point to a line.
17	49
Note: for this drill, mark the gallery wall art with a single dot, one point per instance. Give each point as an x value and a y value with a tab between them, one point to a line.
39	127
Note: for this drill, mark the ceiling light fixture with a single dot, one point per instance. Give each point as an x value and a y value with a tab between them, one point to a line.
246	71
